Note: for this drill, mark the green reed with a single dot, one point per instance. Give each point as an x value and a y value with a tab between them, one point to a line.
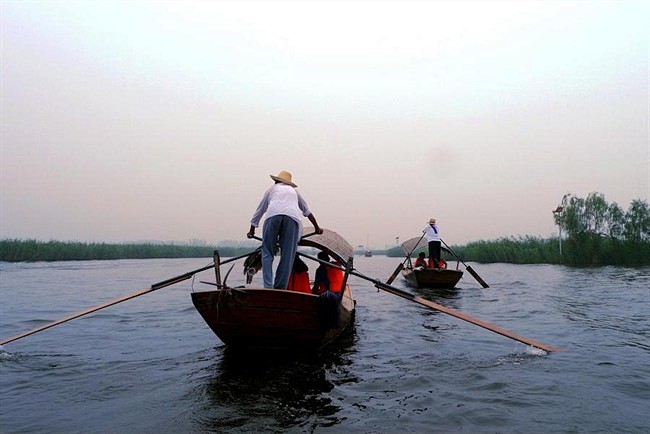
586	250
19	250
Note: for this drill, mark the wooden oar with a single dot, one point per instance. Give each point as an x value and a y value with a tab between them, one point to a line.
153	287
392	277
470	269
401	266
470	319
461	315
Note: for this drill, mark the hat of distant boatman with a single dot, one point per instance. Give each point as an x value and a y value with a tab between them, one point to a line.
284	177
432	221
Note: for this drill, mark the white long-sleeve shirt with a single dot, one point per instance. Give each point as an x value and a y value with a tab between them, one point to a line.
432	233
281	199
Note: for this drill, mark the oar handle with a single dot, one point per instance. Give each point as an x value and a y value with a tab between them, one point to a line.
180	278
469	269
452	252
189	274
235	258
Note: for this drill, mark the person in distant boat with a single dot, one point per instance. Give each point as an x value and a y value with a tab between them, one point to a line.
284	208
433	236
299	279
421	261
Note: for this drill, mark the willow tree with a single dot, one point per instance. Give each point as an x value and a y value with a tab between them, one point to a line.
636	227
601	233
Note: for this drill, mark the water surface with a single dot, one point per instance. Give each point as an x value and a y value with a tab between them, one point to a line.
151	365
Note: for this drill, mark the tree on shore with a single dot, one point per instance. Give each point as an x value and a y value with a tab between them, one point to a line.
594	217
599	233
592	233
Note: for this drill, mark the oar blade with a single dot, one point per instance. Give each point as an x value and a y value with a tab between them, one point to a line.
395	273
396	291
477	277
84	312
76	315
486	325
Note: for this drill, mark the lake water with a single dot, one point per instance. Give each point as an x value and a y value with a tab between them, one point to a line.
151	364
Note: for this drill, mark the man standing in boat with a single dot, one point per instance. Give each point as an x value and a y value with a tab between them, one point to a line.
433	236
284	208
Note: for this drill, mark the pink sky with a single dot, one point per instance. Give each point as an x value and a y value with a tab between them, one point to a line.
126	121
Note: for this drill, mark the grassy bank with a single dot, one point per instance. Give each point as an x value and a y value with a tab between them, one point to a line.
14	250
578	251
588	250
585	251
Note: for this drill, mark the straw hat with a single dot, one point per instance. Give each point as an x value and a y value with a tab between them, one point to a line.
284	177
432	221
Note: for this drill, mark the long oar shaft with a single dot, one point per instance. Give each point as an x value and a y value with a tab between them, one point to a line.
465	317
392	277
457	314
153	287
77	315
469	269
486	325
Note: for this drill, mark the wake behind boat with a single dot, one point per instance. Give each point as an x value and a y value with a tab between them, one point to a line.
257	317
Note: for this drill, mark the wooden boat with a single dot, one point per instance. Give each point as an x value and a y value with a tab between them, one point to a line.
367	253
419	277
437	278
256	317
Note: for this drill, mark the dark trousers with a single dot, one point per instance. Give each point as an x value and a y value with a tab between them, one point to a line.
434	252
284	230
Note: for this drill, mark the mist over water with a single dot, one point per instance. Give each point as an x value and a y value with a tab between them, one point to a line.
152	365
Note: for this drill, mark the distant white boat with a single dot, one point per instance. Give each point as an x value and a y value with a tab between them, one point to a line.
368	252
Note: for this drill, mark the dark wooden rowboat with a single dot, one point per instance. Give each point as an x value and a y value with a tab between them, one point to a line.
435	278
255	317
270	318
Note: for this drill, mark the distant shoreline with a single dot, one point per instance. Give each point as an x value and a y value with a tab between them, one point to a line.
50	251
20	250
522	250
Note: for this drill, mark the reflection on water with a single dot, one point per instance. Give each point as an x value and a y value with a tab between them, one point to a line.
438	295
260	390
401	368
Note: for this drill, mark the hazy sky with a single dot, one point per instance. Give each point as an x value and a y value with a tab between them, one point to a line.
138	120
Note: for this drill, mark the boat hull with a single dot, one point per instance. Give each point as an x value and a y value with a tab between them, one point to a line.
436	278
271	318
